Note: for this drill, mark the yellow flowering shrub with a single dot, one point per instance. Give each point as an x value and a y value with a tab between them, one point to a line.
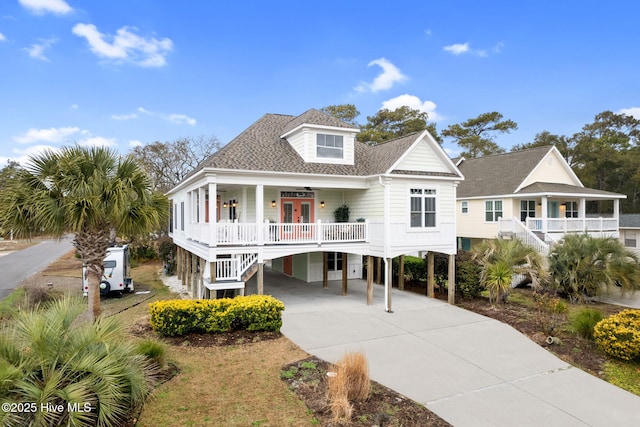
181	317
619	335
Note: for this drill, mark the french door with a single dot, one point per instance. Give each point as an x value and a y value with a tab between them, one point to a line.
297	215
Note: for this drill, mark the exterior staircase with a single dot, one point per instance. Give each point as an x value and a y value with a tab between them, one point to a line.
233	273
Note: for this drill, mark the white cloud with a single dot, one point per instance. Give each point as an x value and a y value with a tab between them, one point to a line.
385	80
74	106
181	118
173	117
125	46
633	111
37	50
457	49
40	7
97	141
2	37
464	48
415	103
124	116
22	156
135	143
47	135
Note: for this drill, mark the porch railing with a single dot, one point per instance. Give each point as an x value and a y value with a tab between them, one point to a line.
573	225
280	233
234	268
524	234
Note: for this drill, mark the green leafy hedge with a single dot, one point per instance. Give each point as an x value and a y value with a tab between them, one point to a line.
619	335
180	317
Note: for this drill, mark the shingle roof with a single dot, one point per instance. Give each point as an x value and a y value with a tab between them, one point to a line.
499	173
552	187
317	118
629	220
261	148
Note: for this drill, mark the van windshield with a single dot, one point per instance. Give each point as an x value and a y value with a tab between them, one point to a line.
110	264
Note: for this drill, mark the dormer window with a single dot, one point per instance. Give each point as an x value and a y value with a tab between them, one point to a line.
330	146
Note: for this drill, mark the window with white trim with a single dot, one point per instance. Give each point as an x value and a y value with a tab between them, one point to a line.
422	207
330	146
571	210
527	209
492	210
464	207
334	261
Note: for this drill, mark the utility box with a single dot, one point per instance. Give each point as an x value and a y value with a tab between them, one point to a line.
117	272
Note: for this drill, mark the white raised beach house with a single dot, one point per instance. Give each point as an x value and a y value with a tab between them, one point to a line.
270	195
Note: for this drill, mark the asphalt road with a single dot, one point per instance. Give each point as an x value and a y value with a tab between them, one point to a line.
19	265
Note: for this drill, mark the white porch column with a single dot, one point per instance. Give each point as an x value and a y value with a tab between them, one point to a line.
544	212
583	213
213	213
243	213
187	215
260	212
201	207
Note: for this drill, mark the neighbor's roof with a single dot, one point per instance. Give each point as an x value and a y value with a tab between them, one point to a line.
629	221
502	174
555	188
498	174
261	148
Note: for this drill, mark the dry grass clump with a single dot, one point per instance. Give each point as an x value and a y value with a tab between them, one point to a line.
350	383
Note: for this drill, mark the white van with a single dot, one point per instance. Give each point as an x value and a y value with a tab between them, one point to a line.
117	272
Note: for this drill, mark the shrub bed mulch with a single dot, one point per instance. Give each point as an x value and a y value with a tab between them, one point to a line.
384	407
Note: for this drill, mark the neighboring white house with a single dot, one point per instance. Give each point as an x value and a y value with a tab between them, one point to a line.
533	194
271	193
630	232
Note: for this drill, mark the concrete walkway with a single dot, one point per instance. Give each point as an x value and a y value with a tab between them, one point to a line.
469	369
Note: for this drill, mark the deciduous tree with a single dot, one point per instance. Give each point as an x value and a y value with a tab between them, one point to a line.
167	163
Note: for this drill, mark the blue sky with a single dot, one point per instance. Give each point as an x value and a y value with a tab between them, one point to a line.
126	72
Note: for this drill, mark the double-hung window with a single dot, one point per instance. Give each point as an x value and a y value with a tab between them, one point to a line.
527	209
571	210
492	210
423	207
330	146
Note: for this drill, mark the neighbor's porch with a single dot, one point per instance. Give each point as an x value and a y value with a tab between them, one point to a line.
551	217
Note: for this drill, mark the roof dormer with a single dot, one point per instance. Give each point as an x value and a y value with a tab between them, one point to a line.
319	138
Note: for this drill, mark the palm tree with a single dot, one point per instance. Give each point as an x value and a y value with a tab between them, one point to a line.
92	192
501	260
583	266
50	358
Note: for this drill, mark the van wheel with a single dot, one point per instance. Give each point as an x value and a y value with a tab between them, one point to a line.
105	287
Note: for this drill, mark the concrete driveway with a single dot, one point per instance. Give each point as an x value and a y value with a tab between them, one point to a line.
469	369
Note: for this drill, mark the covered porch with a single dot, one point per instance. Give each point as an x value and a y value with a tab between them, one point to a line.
552	210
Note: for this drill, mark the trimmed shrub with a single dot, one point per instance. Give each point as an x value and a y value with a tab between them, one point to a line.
468	275
414	268
619	335
180	317
585	320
